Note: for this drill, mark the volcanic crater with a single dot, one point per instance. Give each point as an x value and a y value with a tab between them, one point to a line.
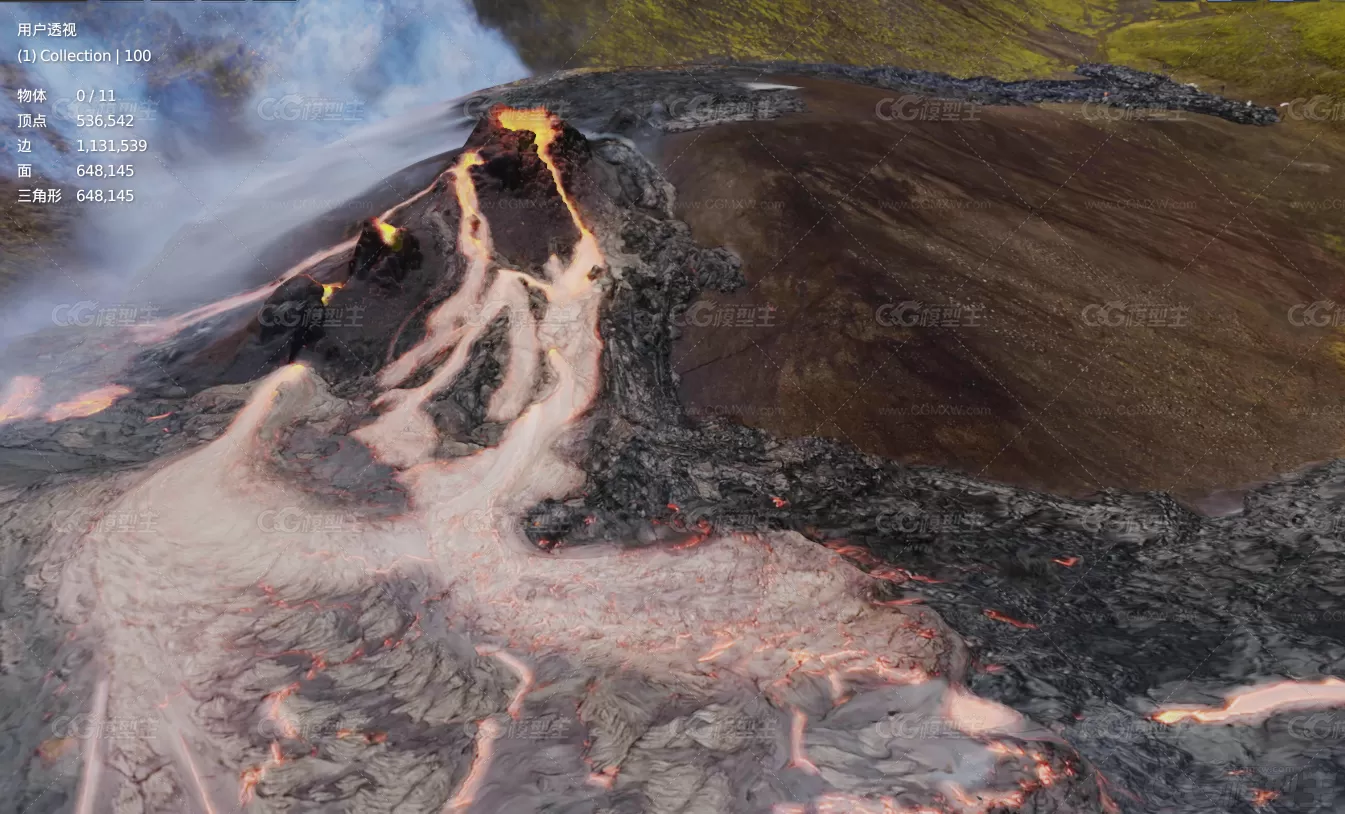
427	524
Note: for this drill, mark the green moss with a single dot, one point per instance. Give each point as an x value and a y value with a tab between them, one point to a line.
1270	52
1080	16
1321	35
1336	347
1264	51
1335	244
996	37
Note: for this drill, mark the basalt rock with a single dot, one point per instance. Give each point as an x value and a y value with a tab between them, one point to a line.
642	103
385	260
528	218
294	311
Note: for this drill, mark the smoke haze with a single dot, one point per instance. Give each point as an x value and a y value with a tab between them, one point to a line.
258	116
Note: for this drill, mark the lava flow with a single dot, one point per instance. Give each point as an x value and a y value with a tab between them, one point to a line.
328	290
1255	704
87	404
640	609
772	616
391	235
21	398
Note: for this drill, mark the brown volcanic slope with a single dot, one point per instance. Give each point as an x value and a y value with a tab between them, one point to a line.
1033	219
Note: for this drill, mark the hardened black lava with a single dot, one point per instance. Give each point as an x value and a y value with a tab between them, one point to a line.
640	103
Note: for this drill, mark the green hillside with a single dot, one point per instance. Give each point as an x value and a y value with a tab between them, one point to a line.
1267	51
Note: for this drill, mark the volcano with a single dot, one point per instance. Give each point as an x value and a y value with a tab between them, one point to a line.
426	524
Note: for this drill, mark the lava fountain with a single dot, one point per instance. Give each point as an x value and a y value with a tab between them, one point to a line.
773	616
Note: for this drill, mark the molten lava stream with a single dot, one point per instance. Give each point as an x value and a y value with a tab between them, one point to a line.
1252	705
391	235
87	404
763	612
21	396
488	732
759	612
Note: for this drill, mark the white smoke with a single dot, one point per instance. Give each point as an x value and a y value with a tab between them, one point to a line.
342	94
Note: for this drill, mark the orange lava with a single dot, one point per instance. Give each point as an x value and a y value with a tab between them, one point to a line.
486	735
1255	704
328	289
1262	797
986	800
251	777
878	568
1008	620
277	713
718	650
522	670
470	229
391	235
1068	562
20	400
545	128
798	757
87	404
249	781
730	601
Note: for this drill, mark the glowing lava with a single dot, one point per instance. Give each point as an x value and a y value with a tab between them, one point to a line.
798	754
687	615
20	400
769	613
487	733
87	404
1009	620
1255	704
391	235
523	671
328	289
545	128
1263	797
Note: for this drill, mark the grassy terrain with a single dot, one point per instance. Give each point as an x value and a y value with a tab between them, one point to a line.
1266	51
992	37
